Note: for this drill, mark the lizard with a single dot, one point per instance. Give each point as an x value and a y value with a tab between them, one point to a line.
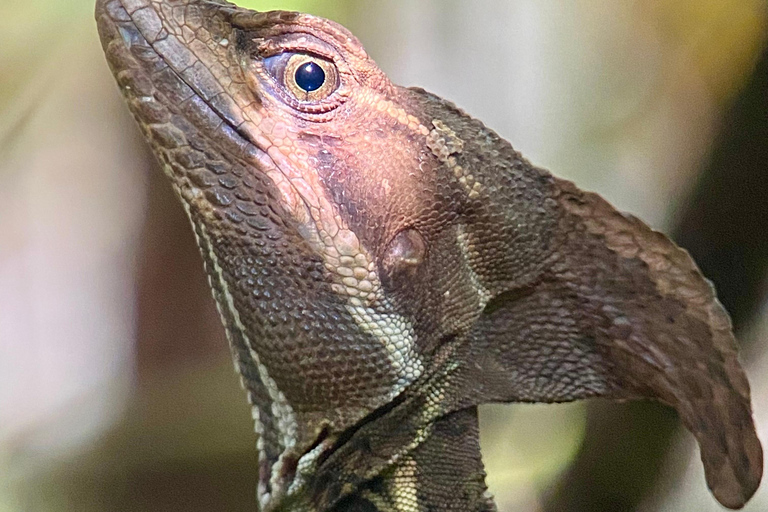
383	264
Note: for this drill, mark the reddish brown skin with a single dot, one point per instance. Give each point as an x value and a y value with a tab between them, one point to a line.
384	263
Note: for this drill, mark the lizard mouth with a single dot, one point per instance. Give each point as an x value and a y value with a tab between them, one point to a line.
202	98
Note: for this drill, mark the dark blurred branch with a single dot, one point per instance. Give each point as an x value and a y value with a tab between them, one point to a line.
724	225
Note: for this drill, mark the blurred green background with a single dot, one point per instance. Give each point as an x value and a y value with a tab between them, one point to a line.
116	386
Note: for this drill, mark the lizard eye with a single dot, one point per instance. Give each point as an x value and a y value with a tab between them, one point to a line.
306	77
309	76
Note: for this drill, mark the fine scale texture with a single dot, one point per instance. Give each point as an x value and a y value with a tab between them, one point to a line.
383	263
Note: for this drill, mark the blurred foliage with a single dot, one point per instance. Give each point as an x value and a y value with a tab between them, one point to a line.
30	32
184	444
338	10
527	447
33	34
723	38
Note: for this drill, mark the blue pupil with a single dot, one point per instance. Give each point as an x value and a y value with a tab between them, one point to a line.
310	77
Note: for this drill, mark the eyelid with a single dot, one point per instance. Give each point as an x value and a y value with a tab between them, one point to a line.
276	61
296	43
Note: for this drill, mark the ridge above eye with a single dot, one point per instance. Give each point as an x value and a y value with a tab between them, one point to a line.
305	77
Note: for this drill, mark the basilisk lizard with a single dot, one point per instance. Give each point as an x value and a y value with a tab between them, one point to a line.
383	264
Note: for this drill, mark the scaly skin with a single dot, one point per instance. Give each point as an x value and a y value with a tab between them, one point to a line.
383	264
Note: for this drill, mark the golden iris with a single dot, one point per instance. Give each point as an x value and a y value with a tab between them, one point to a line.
309	78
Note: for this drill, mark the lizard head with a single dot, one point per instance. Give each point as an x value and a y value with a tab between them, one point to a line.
369	243
312	184
317	189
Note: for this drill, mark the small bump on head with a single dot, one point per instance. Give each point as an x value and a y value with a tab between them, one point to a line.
404	253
